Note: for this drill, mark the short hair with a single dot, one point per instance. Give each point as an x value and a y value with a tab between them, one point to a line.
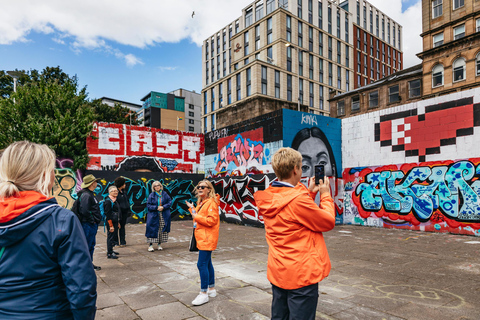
111	188
119	181
26	166
156	183
284	160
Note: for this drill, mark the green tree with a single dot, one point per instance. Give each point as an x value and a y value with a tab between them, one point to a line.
49	108
116	114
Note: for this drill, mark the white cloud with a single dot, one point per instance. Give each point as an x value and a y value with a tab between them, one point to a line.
167	68
411	21
91	24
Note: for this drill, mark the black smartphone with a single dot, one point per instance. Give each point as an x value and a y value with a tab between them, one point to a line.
319	173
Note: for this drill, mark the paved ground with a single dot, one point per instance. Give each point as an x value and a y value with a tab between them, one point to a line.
376	274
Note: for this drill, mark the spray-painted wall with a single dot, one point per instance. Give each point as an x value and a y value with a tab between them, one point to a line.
120	147
238	158
415	166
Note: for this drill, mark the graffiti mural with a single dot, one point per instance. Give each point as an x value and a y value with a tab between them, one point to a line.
432	196
67	182
120	147
180	187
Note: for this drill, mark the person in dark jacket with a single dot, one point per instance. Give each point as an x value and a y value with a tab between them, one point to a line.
45	268
124	204
158	216
112	213
89	211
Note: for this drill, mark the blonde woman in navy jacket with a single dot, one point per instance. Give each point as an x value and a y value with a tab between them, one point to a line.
45	267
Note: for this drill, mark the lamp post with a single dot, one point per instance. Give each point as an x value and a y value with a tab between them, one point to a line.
298	73
15	75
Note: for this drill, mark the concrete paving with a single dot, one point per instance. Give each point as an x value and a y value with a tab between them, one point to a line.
376	274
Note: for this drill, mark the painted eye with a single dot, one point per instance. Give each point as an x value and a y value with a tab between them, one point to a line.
305	168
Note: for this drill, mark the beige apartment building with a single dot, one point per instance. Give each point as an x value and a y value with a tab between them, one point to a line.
292	54
451	45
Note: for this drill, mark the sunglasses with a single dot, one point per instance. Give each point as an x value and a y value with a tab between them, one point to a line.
202	187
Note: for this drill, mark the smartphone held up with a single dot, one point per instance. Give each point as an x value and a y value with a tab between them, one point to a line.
319	173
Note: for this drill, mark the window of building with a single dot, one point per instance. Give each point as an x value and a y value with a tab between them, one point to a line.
299	9
459	32
371	20
248	17
264	80
269	31
310	94
346	27
437	8
289	87
355	103
458	4
289	29
300	34
478	25
300	90
377	25
393	94
321	97
414	88
339	52
364	16
310	66
257	37
259	10
191	106
388	32
249	81
310	13
347	80
330	74
438	40
300	63
329	17
338	24
229	91
320	15
245	43
310	38
358	12
239	87
283	4
289	58
347	56
205	109
212	122
270	6
477	65
212	96
373	99
277	84
329	47
320	43
205	128
459	69
191	129
320	67
191	121
191	114
341	108
220	94
339	77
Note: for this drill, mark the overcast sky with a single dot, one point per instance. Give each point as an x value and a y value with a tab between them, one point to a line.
124	49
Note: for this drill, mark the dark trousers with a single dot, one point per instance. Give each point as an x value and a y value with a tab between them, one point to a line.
296	304
111	236
90	230
121	231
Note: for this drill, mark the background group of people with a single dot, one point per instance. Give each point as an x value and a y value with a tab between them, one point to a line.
46	253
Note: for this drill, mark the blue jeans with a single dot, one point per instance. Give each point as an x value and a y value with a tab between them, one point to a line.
205	267
90	230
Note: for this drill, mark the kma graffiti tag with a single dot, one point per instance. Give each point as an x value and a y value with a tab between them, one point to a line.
452	189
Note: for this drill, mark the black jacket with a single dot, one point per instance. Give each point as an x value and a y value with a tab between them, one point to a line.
112	210
124	204
88	207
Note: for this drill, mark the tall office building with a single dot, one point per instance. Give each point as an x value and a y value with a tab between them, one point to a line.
291	54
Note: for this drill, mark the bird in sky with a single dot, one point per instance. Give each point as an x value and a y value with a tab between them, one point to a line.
193	13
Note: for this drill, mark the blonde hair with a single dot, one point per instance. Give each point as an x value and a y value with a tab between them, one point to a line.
156	183
211	193
284	160
26	166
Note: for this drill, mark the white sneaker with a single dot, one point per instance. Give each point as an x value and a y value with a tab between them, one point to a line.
159	248
212	293
150	249
202	298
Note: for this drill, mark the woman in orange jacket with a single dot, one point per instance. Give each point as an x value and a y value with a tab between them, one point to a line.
206	220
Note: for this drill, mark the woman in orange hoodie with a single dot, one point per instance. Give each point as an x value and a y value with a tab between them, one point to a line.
297	254
206	220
